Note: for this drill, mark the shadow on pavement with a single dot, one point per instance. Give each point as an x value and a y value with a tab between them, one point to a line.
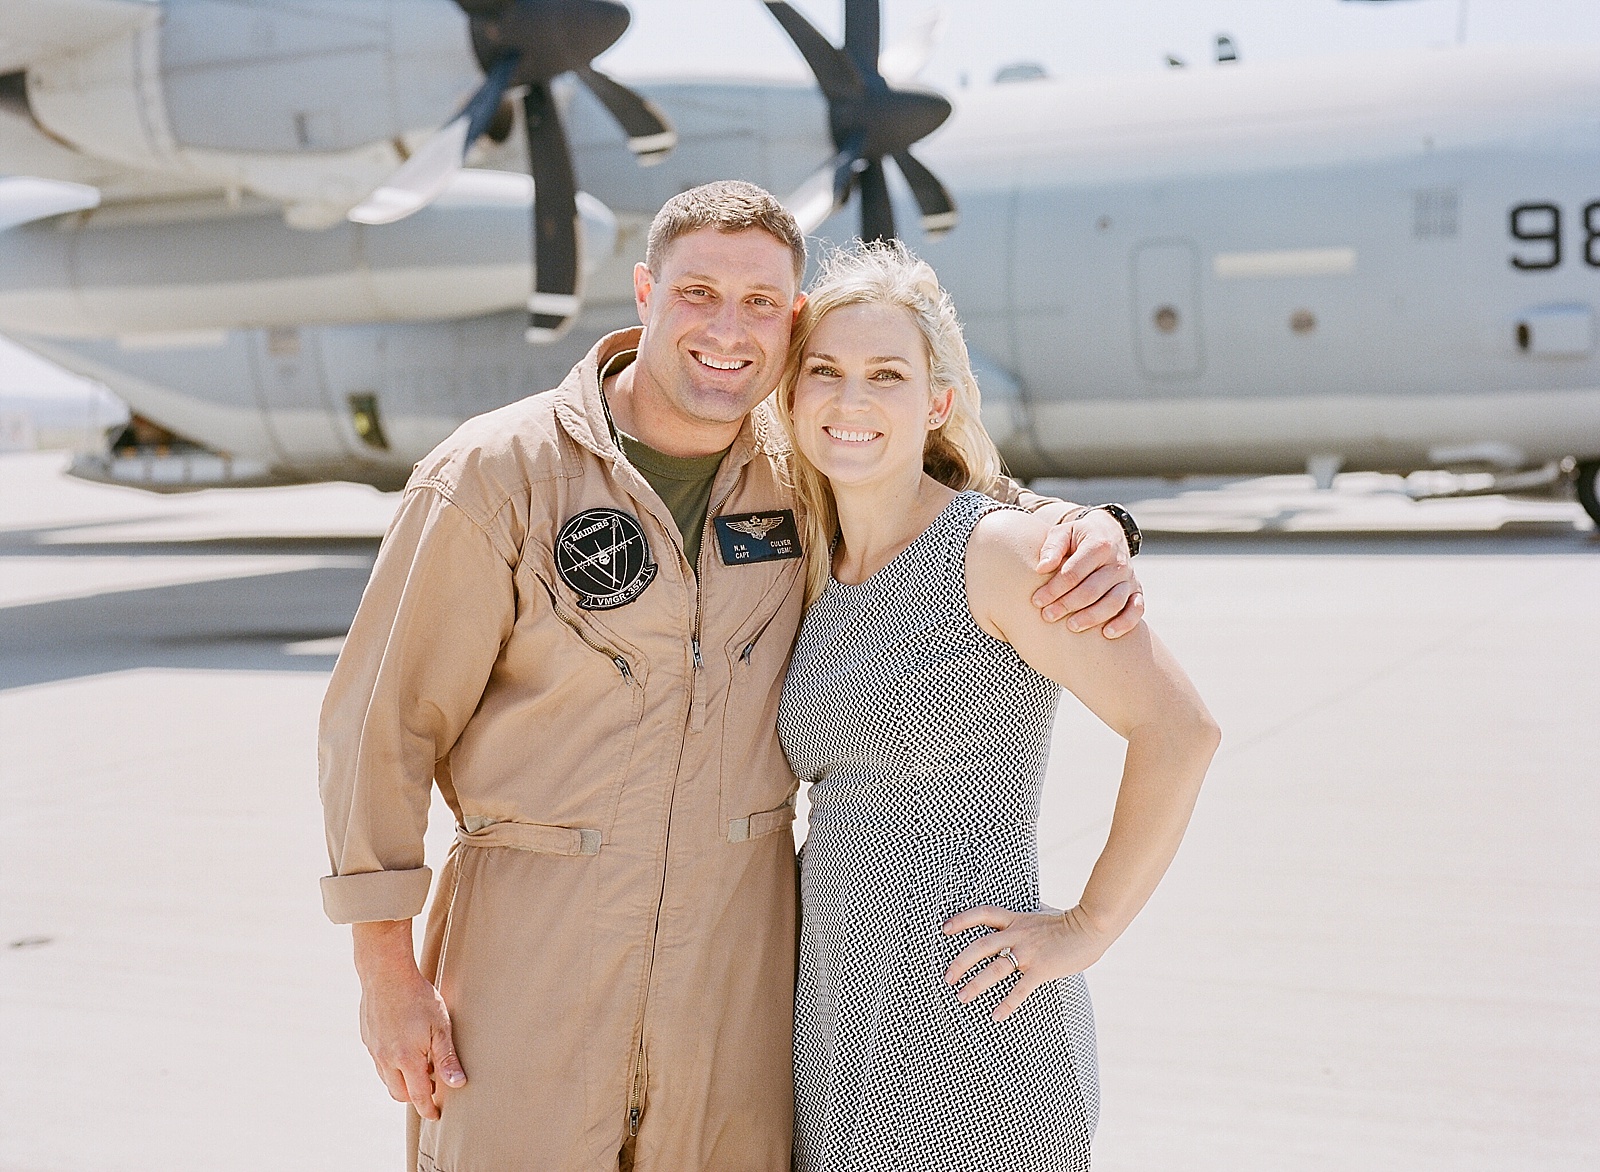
248	623
231	624
57	541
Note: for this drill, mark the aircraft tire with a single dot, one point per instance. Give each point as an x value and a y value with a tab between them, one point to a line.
1589	488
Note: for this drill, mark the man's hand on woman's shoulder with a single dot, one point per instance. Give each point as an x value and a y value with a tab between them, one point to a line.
1092	583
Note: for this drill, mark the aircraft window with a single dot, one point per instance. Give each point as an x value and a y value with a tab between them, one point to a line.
1591	234
1524	336
1165	319
1302	321
1537	223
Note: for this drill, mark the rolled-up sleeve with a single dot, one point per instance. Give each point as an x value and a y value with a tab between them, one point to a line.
439	607
1009	492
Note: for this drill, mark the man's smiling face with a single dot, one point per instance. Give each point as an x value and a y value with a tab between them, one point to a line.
717	319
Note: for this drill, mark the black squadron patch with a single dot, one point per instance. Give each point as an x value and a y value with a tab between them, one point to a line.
604	556
748	538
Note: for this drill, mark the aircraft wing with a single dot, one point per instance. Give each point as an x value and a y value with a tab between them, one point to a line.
35	30
31	30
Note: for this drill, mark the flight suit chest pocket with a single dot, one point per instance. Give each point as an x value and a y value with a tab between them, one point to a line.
589	704
756	786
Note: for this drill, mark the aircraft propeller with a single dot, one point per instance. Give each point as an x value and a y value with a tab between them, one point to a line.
870	120
528	43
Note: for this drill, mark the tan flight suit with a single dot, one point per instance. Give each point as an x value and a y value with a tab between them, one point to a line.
614	929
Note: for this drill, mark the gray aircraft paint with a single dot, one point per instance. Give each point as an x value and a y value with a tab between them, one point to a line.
197	265
1331	237
280	76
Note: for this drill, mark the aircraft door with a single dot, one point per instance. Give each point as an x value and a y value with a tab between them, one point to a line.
294	406
1166	309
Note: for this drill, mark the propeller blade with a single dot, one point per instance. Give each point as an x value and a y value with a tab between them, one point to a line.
483	105
650	135
877	215
24	199
555	300
420	179
836	73
939	213
862	30
825	190
902	61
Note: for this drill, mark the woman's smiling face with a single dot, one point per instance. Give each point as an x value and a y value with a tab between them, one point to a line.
863	405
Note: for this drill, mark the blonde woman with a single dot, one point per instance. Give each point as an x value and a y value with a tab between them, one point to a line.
941	1017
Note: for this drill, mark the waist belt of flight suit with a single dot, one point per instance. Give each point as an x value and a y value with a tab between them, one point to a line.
529	836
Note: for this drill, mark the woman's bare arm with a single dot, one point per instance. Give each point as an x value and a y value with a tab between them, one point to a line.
1136	687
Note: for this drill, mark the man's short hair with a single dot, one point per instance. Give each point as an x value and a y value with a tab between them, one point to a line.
728	205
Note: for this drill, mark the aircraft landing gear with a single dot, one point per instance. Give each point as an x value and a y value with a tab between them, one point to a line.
1588	478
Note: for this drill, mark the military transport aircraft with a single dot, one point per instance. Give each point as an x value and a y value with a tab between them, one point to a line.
295	237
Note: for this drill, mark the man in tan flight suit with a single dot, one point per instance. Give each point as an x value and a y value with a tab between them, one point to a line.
577	627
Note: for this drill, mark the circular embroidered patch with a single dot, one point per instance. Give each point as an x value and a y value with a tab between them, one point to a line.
604	556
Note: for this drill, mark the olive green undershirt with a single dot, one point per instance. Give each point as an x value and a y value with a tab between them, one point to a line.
682	482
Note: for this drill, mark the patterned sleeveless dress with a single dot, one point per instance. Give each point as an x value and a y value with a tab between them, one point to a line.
924	739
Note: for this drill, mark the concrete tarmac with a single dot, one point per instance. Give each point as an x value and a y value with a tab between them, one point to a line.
1379	948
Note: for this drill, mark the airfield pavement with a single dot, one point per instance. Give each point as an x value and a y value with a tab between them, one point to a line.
1379	948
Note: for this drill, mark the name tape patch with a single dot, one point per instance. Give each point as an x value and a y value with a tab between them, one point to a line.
604	556
748	538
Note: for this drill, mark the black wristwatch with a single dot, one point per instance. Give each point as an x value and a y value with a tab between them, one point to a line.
1130	527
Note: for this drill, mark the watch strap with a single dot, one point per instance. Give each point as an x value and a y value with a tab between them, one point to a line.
1130	527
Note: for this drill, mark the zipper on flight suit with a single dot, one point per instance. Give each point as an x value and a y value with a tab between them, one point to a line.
699	592
634	1106
749	648
624	668
635	1096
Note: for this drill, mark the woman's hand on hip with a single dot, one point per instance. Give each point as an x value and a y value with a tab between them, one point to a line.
1033	947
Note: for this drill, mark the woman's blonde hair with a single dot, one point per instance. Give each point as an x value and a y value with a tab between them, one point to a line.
959	453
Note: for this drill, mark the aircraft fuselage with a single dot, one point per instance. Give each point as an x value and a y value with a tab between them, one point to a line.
1384	262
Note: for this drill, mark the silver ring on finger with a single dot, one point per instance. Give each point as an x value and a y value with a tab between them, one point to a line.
1012	957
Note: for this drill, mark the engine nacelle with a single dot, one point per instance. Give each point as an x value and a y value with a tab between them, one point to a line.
123	272
294	101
